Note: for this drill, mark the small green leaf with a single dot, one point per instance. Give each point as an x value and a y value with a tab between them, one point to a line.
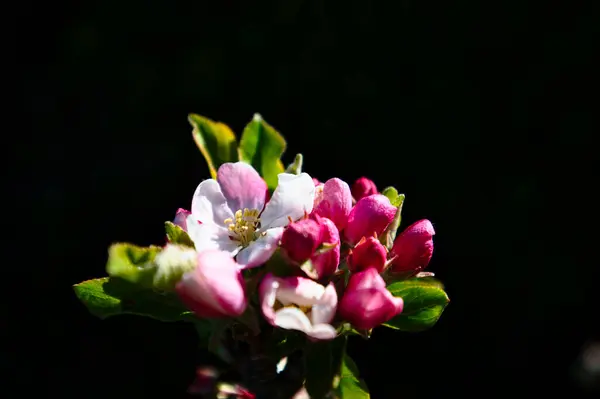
350	386
215	140
392	195
262	146
424	301
107	296
296	166
177	235
132	263
389	234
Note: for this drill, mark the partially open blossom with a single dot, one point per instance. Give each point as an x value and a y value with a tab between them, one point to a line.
413	248
366	302
301	239
363	187
181	218
371	215
326	263
335	202
369	252
215	287
297	303
234	217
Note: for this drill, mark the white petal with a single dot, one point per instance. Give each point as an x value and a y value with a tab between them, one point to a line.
322	331
293	196
304	292
210	236
324	311
209	204
292	319
260	250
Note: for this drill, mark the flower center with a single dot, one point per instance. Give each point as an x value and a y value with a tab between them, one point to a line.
243	227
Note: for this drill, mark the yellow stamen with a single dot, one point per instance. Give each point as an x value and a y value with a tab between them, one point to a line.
243	226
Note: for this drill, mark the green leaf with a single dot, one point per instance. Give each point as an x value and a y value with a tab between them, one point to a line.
322	364
424	302
107	296
296	166
177	235
393	195
215	140
350	386
389	234
262	146
132	263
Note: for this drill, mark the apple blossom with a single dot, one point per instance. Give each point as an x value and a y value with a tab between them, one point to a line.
371	215
366	302
181	218
234	217
413	248
215	287
298	303
363	187
369	252
335	202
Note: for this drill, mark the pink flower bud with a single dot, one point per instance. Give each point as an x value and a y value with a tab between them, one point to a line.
335	202
413	248
181	217
215	288
363	187
301	239
371	215
366	302
369	252
326	263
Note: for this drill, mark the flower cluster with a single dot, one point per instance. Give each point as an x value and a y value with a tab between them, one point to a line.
275	268
322	231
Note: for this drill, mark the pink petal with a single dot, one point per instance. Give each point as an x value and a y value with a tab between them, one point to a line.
324	310
368	308
180	218
371	215
327	263
322	332
209	204
292	199
292	319
363	187
242	186
210	236
413	248
260	250
267	294
300	291
366	279
215	288
336	202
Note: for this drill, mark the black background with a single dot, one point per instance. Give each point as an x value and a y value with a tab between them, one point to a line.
483	114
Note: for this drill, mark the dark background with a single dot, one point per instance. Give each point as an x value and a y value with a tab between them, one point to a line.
482	114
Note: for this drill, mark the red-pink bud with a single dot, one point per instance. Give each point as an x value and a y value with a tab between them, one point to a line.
363	187
335	202
181	218
371	215
301	239
413	248
369	252
326	263
366	302
215	288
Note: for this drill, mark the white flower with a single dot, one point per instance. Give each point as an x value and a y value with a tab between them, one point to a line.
230	214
